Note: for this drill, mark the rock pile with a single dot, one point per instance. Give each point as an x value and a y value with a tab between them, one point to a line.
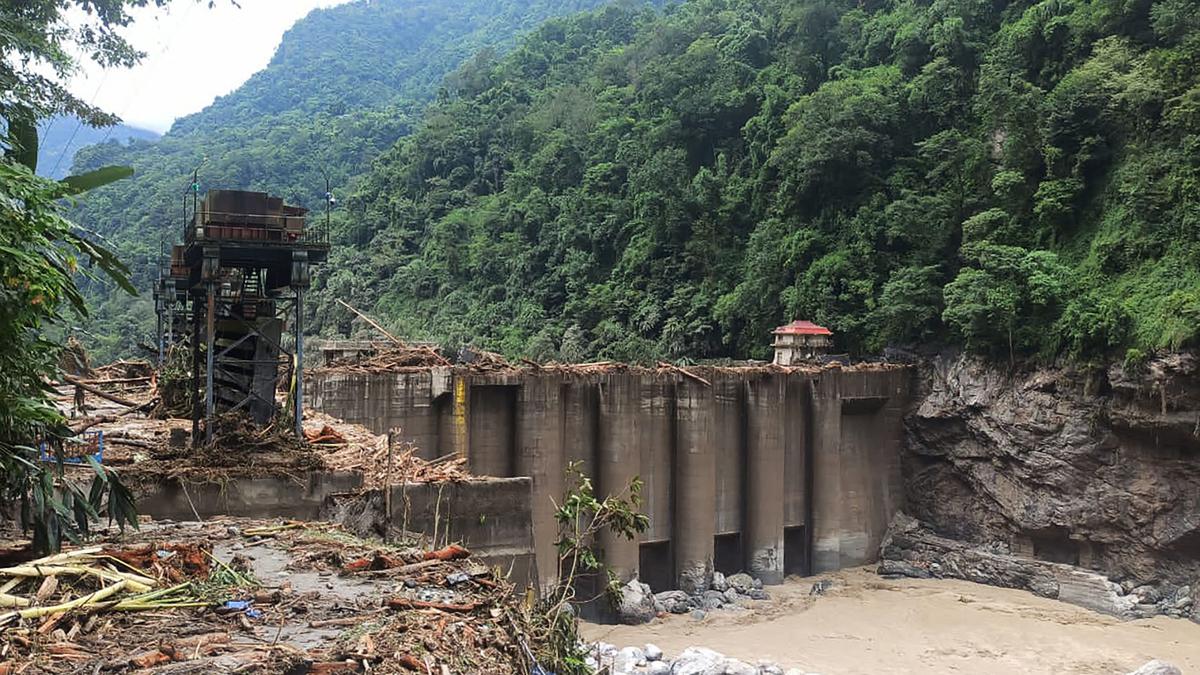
910	549
639	604
650	660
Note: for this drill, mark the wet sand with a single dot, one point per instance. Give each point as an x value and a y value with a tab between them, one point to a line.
866	624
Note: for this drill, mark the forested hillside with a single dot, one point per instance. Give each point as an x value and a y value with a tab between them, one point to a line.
61	136
1017	177
343	86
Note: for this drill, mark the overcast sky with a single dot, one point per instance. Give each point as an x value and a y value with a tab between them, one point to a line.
194	54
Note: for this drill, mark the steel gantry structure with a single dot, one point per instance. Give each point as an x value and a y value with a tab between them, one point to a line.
240	276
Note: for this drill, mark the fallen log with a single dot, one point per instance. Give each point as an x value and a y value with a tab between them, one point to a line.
119	380
684	372
100	392
132	442
406	569
405	603
344	621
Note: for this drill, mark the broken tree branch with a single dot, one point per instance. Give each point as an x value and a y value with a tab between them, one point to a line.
374	324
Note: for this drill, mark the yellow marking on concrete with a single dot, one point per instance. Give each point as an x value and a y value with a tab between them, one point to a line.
460	416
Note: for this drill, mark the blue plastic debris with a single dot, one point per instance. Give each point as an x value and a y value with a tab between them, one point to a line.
238	605
90	440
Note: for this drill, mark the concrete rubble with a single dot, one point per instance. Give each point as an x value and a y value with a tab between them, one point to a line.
650	660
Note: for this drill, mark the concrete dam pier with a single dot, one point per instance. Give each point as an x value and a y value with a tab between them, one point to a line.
769	470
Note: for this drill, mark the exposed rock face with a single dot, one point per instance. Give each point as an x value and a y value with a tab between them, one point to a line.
1092	467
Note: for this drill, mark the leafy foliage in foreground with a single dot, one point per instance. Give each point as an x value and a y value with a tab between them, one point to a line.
1018	177
40	253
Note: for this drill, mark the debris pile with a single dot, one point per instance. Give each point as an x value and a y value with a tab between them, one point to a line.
64	608
147	448
294	597
403	356
397	357
351	447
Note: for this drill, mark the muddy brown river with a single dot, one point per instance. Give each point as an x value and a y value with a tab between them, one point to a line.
866	624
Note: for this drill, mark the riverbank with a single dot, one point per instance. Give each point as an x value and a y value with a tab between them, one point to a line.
866	624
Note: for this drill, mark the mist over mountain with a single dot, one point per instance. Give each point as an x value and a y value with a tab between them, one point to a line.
60	137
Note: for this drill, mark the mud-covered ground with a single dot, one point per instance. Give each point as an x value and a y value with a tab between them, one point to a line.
866	624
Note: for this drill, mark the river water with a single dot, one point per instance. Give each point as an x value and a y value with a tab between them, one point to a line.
866	624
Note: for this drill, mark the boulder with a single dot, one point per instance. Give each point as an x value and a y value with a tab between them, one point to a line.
712	600
735	667
698	661
652	652
627	659
719	583
636	606
675	602
742	582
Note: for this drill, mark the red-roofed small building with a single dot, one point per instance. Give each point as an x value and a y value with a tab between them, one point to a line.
800	341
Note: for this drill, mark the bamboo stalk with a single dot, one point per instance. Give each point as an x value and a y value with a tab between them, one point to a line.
137	582
10	601
65	556
93	598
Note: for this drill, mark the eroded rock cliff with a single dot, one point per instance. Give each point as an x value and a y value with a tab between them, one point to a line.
1095	467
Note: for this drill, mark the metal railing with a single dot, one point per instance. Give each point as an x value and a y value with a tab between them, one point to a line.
258	227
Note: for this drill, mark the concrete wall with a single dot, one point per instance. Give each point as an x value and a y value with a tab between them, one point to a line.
770	470
265	497
493	518
410	401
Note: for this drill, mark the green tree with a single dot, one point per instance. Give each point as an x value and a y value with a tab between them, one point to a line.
41	252
1005	298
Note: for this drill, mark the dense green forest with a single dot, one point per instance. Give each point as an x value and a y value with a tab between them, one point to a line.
343	86
1016	177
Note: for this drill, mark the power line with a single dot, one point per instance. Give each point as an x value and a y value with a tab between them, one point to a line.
78	125
166	49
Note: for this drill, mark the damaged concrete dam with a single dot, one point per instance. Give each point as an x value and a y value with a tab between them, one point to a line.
1079	484
771	470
